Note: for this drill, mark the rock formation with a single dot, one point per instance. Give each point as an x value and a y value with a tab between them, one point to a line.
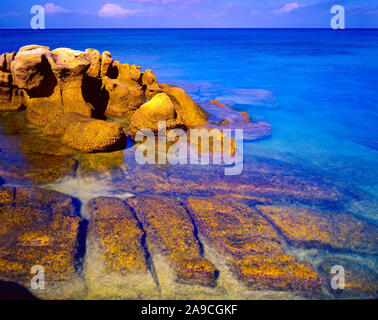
52	83
37	227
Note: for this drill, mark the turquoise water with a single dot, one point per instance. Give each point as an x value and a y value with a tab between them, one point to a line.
318	88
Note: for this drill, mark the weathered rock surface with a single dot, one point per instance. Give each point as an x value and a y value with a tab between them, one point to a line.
159	108
121	102
302	226
150	84
116	230
188	112
91	135
116	264
50	84
253	246
169	229
59	127
37	227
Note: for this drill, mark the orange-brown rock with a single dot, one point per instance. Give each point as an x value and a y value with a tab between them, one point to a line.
64	87
31	70
6	60
94	58
106	63
122	102
159	108
38	227
117	232
59	127
150	84
252	245
302	226
91	135
205	139
188	112
169	228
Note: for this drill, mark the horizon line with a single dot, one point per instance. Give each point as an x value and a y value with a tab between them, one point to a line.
149	28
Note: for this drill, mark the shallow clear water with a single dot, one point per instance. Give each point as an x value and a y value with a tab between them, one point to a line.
317	88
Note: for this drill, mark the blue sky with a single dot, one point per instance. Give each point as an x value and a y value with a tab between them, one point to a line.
189	13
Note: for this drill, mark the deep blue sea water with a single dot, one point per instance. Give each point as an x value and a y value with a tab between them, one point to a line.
318	88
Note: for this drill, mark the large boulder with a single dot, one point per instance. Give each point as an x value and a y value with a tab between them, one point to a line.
159	108
38	227
31	70
53	81
92	135
188	112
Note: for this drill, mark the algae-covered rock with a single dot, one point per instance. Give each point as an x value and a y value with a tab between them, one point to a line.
169	229
114	227
252	245
94	135
116	265
38	227
307	227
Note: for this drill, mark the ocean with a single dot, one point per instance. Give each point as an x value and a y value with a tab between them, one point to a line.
318	88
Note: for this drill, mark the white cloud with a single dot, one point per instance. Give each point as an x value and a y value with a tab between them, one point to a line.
52	8
115	10
288	7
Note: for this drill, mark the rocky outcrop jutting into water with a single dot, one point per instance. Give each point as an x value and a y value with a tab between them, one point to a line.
53	83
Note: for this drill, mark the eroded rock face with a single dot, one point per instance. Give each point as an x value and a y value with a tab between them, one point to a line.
252	245
302	226
150	83
121	103
38	227
169	230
